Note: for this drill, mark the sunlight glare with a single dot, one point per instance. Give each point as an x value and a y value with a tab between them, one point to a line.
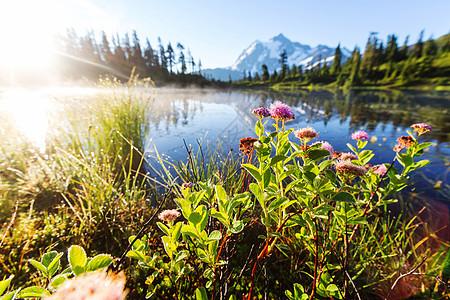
27	29
30	111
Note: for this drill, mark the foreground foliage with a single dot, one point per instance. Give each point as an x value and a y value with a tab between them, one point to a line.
295	219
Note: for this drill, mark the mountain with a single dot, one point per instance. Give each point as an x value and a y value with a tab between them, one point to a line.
259	53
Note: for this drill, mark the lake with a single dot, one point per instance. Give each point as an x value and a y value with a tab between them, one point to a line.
213	117
219	117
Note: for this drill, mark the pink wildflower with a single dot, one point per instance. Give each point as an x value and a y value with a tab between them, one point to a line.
421	128
346	167
261	112
97	285
360	135
379	169
348	156
307	133
280	111
326	146
169	215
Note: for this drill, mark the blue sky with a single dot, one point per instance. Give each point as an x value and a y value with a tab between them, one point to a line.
218	31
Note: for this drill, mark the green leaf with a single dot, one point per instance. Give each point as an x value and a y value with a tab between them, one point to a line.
48	257
318	154
99	261
33	292
215	235
176	231
221	193
267	175
404	159
5	283
253	170
237	226
357	220
200	294
257	192
446	267
283	247
325	163
136	255
189	230
195	218
57	281
180	256
38	266
54	265
344	197
11	295
222	217
275	204
77	258
352	148
163	228
276	159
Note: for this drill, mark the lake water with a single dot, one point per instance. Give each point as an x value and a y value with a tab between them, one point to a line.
210	117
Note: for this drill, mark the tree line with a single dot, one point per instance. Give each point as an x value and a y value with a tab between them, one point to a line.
421	63
85	57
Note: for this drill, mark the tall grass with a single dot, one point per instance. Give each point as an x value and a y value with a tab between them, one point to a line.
90	181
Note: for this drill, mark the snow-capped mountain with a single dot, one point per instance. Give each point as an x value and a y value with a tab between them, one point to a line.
268	53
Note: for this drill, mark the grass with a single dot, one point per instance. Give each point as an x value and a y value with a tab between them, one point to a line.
91	187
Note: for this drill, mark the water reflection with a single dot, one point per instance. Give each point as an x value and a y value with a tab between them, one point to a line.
225	117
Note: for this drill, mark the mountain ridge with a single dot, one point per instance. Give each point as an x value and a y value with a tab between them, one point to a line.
268	52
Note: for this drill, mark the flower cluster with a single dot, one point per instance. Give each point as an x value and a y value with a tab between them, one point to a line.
306	134
348	156
261	112
94	285
379	169
246	145
421	128
348	168
360	135
326	146
169	215
403	142
280	111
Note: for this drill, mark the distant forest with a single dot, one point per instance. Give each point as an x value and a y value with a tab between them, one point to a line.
423	63
85	57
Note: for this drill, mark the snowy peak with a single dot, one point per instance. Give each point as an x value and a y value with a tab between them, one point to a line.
268	53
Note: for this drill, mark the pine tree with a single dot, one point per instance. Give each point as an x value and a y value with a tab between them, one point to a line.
336	66
429	48
418	47
265	75
170	57
182	59
137	58
256	78
354	74
162	56
403	52
391	51
274	76
283	63
105	49
149	57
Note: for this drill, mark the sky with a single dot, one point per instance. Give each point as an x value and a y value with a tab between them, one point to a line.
217	31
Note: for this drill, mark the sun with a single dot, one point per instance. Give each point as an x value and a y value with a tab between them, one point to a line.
27	28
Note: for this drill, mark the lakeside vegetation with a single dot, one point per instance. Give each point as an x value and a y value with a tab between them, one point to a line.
423	65
234	233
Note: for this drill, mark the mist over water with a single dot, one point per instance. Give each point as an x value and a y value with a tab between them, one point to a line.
213	118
